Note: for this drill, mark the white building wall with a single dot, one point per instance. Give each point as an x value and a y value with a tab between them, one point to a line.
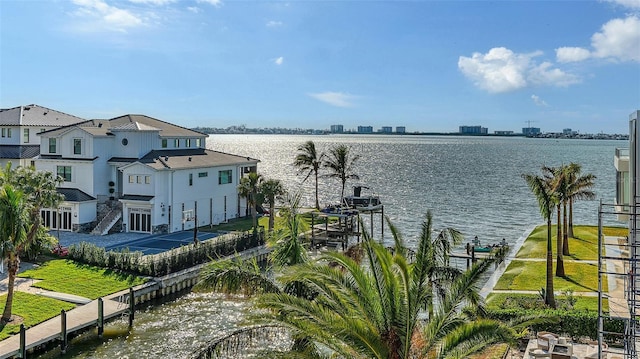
135	180
137	145
81	172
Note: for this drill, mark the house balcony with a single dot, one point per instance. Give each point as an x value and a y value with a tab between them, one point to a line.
623	185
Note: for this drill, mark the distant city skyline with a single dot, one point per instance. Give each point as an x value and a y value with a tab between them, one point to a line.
429	66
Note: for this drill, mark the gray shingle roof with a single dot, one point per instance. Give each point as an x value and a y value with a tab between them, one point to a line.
193	158
137	197
74	195
34	115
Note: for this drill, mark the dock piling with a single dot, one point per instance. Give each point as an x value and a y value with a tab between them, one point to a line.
100	317
23	342
132	304
63	331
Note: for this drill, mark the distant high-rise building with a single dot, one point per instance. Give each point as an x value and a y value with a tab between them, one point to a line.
503	133
476	130
386	129
365	129
337	128
401	129
531	131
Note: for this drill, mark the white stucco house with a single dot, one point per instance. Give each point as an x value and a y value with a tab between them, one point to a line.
154	176
19	125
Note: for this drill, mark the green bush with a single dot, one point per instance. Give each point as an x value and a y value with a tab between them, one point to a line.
166	262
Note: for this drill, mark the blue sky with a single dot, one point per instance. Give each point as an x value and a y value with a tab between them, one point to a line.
426	65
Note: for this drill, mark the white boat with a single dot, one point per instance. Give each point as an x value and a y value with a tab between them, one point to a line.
362	202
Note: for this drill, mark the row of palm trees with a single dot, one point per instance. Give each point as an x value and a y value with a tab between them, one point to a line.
556	189
23	193
393	303
338	161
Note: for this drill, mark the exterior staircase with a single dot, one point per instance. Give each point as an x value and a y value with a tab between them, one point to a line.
108	221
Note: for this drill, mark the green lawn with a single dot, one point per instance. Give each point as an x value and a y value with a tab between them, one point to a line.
245	223
497	301
33	309
530	275
584	246
86	281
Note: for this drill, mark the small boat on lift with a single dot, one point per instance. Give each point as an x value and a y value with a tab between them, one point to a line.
362	202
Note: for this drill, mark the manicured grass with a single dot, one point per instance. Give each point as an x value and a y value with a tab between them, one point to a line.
531	301
584	245
66	276
530	275
493	352
245	223
33	309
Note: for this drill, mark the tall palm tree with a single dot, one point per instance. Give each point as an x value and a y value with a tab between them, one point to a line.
249	189
286	244
579	188
556	179
271	189
13	237
375	310
341	165
546	202
308	161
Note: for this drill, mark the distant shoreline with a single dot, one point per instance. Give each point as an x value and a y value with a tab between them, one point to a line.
600	136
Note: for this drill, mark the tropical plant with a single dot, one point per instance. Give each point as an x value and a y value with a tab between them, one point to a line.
271	189
249	189
546	202
579	188
376	310
308	161
556	179
13	237
341	165
286	244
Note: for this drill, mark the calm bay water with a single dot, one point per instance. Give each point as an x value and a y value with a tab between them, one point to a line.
473	184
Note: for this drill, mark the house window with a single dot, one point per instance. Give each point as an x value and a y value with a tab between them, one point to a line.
52	145
4	132
203	174
8	132
147	179
77	146
132	178
139	179
224	177
43	129
198	142
26	135
176	143
190	179
187	142
64	172
164	143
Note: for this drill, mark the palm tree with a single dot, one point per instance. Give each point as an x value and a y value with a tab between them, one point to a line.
341	165
375	310
249	189
546	201
40	190
13	237
556	179
579	188
308	161
287	248
271	189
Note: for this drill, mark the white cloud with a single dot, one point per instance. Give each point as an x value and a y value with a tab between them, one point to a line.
153	2
337	99
631	4
538	101
502	70
101	16
572	54
279	60
216	3
193	9
618	39
274	23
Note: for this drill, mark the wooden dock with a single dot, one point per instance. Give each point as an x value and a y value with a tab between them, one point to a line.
77	319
